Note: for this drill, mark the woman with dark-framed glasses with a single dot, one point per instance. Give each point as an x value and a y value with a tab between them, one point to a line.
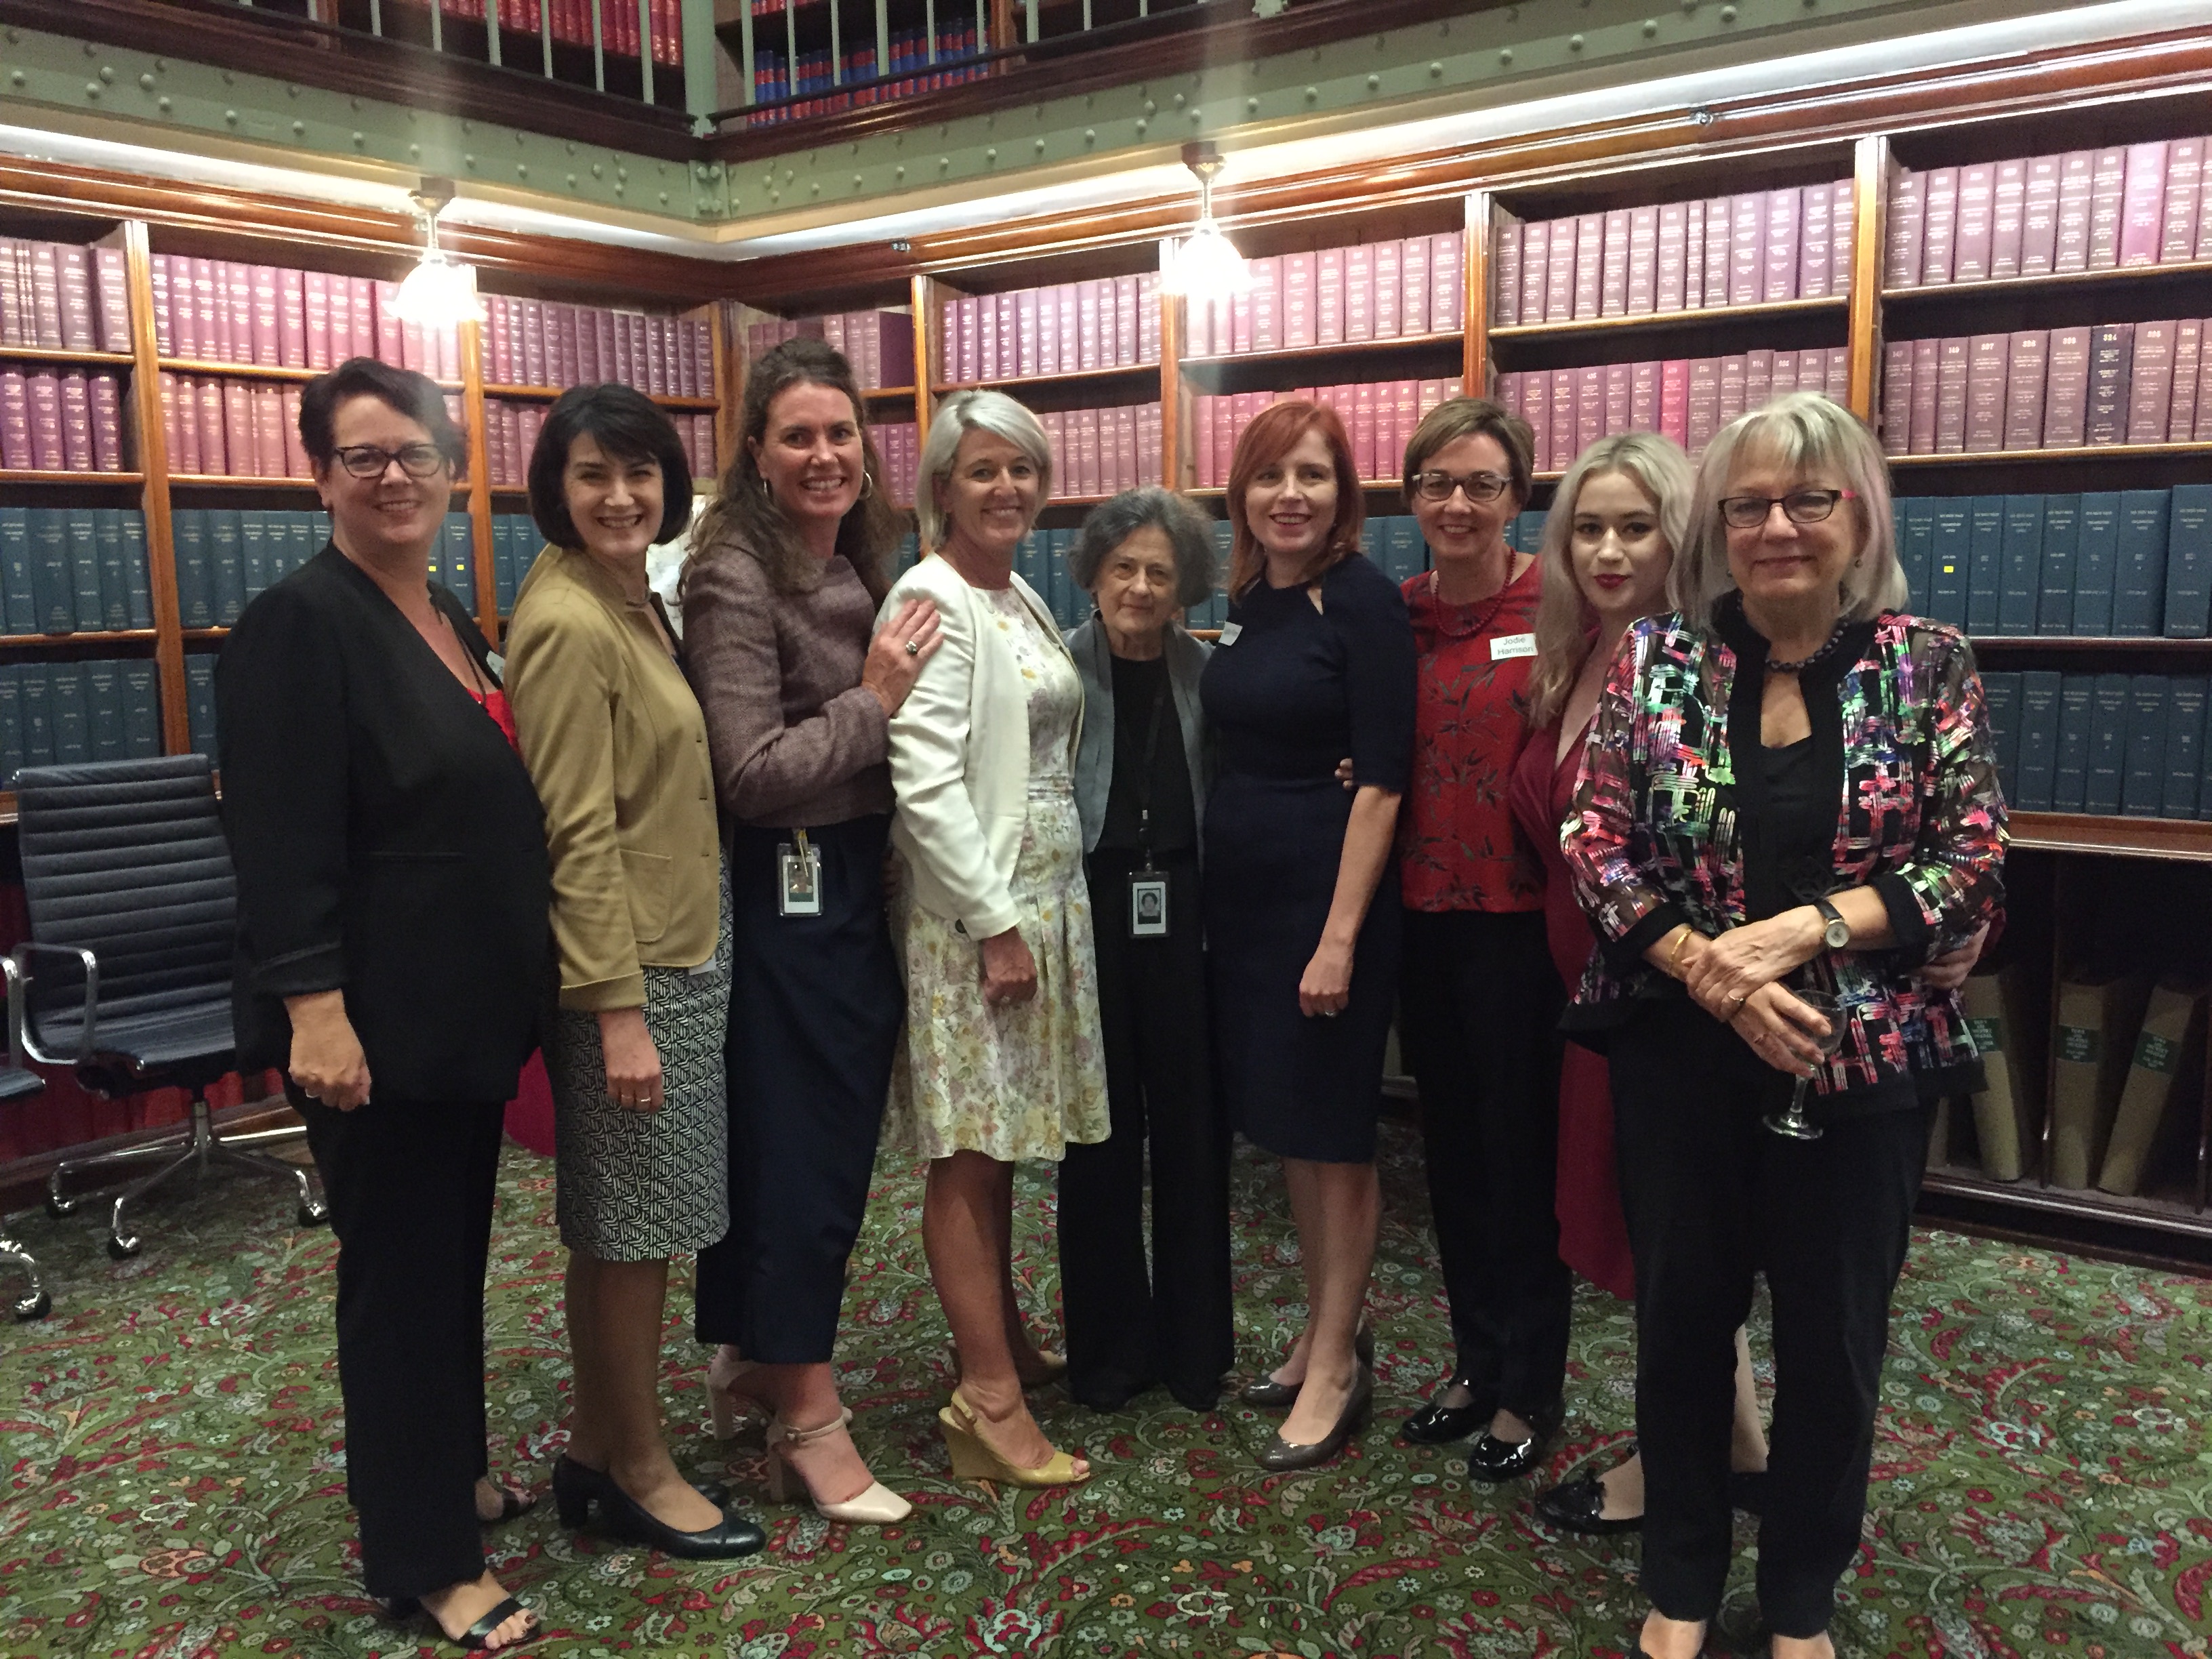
1479	998
1789	796
394	955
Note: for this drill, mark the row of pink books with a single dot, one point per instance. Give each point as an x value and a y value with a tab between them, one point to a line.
64	421
1687	398
1338	296
1379	417
63	296
510	431
1754	248
218	426
2058	388
569	23
548	343
878	344
1113	322
898	445
1103	451
2036	215
225	311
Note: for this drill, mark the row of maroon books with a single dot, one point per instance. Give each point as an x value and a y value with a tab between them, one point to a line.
898	445
1103	451
1687	398
878	344
66	421
1379	417
570	24
226	311
511	429
216	426
1754	248
1337	297
2036	215
1112	322
63	296
2058	388
547	343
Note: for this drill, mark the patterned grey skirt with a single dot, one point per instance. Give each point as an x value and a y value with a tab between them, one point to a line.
643	1186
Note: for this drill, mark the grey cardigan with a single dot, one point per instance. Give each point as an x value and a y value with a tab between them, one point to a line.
1094	757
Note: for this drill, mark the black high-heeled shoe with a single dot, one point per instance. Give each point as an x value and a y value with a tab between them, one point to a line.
1279	1455
1437	1425
1492	1460
1266	1394
577	1488
579	1483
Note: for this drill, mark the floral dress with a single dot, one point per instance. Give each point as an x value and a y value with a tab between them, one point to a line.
1024	1080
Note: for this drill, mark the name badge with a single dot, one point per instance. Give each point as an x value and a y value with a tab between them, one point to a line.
798	878
1512	645
1148	905
1229	633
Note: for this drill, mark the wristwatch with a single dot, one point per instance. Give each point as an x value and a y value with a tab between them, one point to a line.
1836	933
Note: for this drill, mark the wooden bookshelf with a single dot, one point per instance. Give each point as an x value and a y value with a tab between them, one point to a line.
11	476
2181	273
1389	345
1071	377
2050	457
548	393
59	359
2072	645
208	369
1836	306
2178	839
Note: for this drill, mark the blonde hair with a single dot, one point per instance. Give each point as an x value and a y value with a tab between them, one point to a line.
1565	626
956	417
1800	431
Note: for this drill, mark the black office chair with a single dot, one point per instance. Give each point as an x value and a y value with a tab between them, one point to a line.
133	925
16	1083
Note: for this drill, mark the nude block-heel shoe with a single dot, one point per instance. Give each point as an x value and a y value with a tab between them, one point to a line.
726	1399
973	1459
878	1506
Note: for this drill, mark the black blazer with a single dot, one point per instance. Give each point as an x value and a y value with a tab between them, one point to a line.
387	840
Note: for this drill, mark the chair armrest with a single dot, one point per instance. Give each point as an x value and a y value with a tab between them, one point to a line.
14	976
21	1023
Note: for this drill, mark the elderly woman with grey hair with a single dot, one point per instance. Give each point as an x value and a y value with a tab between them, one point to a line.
1003	1059
1140	777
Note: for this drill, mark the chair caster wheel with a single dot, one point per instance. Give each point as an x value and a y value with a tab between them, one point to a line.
60	1208
28	1308
314	1215
121	1249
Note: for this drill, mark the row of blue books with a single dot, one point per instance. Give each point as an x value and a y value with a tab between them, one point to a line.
226	556
2127	563
74	569
515	545
2125	745
65	714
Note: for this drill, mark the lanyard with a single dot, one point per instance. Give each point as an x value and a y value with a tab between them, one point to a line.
1145	777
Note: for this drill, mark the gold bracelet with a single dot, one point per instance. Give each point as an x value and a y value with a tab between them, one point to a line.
1675	955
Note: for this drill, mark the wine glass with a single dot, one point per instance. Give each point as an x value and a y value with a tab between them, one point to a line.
1794	1123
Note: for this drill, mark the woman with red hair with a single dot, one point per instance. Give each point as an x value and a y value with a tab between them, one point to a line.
1302	918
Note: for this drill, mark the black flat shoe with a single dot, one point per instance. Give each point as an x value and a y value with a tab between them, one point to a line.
1492	1460
1440	1424
1279	1455
1578	1505
1202	1397
577	1488
1265	1393
405	1609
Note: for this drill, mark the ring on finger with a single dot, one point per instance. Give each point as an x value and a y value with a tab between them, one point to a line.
914	648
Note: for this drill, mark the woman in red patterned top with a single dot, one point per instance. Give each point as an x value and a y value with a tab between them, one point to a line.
1479	998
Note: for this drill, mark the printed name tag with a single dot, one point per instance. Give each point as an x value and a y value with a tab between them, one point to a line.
1230	631
1512	645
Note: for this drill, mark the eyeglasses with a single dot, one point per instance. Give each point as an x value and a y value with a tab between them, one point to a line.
368	461
1479	486
1799	507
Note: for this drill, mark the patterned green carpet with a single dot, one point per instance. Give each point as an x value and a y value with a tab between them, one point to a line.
174	1484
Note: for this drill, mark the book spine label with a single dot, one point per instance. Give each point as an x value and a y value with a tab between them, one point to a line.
1778	257
2077	175
2142	204
1298	301
2107	204
2139	595
106	422
1328	296
2150	383
1559	280
2188	607
1613	265
2027	365
1896	398
1951	394
2184	177
1717	223
1675	399
1643	396
1939	232
2020	574
1704	403
1971	248
1505	243
1814	261
1389	289
112	292
1535	272
2061	537
1986	371
1670	268
1843	229
77	422
1590	264
1907	219
2038	224
2096	563
1640	270
2066	401
1927	376
2008	208
2188	368
1448	283
1746	248
2110	352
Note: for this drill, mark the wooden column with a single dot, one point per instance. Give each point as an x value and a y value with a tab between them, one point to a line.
1476	359
472	419
1869	246
154	462
1171	420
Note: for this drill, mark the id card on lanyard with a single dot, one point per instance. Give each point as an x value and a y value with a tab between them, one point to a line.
798	877
1148	887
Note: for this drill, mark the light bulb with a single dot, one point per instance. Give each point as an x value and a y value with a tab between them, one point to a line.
438	293
1208	266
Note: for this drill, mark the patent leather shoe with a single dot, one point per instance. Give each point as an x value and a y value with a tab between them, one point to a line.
577	1489
1265	1393
1578	1505
1280	1456
1438	1424
1492	1460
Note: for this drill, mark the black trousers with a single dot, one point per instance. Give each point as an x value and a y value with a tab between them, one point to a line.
1128	1325
410	1189
816	1005
1479	1005
1713	1198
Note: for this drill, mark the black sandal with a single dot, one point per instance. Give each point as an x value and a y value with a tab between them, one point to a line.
406	1609
512	1504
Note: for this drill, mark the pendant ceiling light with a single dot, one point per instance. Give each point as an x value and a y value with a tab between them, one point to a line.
441	291
1207	265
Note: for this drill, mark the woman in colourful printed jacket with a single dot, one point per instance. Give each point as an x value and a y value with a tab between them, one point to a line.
1788	798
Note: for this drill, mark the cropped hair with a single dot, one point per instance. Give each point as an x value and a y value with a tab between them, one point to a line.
1112	522
956	417
1798	431
627	426
1473	418
1565	627
744	517
400	390
1273	433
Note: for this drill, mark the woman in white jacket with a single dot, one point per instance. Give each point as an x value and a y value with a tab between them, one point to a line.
1003	1058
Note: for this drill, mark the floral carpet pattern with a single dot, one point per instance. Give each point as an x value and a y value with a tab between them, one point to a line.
171	1481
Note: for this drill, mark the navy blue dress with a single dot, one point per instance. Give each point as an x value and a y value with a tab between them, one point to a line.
1293	693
